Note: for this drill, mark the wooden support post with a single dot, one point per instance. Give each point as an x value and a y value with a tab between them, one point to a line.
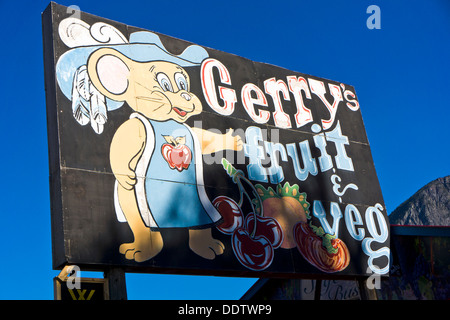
318	289
364	292
116	283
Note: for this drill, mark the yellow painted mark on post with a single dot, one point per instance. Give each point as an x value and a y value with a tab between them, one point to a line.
81	294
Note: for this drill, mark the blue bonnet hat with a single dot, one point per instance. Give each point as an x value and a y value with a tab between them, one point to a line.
89	105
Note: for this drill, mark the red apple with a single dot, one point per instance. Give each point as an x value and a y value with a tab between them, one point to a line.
178	157
254	253
231	214
267	227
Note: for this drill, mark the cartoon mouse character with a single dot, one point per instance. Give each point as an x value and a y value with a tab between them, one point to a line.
154	188
155	157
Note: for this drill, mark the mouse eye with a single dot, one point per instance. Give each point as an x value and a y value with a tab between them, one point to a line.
181	81
164	81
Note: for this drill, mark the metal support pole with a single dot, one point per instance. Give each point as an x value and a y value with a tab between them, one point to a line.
116	283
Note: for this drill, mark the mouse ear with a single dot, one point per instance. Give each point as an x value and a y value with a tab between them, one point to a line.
109	72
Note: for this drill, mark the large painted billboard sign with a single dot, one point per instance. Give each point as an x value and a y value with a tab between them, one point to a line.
166	156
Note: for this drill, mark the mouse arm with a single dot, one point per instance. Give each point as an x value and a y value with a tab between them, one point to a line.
126	148
213	142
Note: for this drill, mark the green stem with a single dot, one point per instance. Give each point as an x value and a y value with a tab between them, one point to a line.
237	177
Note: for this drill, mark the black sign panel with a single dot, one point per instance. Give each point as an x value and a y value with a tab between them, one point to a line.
166	156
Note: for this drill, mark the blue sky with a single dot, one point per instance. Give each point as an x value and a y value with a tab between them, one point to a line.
400	73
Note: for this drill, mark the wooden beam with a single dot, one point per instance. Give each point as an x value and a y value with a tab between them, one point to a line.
116	283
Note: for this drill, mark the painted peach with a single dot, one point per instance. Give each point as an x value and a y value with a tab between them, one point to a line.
288	212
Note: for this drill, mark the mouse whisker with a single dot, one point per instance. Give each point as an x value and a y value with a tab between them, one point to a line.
150	99
144	86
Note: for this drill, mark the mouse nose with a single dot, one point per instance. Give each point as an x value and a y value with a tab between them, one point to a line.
186	96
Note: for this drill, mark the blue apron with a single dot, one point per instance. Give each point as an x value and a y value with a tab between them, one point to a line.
176	199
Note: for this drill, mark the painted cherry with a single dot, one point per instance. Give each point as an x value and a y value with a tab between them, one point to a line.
255	253
267	227
178	157
231	214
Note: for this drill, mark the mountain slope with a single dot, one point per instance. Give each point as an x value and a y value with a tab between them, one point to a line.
430	206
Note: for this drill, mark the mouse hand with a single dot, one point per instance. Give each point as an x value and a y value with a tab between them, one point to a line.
233	142
127	180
